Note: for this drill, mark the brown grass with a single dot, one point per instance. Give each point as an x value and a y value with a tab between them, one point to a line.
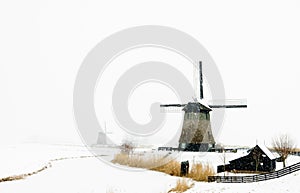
171	167
23	176
138	161
200	172
182	185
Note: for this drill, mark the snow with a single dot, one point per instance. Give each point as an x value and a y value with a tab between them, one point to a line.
287	183
204	103
82	174
266	151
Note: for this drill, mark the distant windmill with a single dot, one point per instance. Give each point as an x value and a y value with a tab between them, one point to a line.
102	137
196	134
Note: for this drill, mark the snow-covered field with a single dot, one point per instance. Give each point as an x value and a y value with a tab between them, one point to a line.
83	174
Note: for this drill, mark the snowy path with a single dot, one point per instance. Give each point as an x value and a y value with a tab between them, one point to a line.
48	165
90	175
69	172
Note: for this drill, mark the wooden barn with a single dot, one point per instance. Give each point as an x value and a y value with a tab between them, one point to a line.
259	159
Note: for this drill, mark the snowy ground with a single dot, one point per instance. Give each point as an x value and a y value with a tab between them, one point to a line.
82	174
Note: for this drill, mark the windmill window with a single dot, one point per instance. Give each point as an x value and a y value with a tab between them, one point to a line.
183	145
196	115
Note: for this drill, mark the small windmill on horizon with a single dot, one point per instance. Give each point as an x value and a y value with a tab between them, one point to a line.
102	136
196	133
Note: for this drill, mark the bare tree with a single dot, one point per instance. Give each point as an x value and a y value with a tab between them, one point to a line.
256	156
283	145
127	147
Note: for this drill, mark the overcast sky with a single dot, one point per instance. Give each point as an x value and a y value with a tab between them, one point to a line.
255	45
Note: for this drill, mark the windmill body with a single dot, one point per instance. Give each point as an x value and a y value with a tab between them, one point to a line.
196	133
102	138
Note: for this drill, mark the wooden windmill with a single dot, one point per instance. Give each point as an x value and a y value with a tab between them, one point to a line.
196	134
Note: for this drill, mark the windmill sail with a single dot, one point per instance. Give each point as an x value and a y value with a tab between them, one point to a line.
201	80
196	134
228	103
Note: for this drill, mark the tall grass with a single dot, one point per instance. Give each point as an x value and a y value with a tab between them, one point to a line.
171	167
198	171
139	161
182	185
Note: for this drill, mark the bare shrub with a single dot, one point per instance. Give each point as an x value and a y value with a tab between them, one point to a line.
182	185
127	147
200	172
122	159
172	167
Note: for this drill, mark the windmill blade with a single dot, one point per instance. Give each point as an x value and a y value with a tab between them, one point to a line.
201	80
227	106
171	108
173	105
198	81
228	103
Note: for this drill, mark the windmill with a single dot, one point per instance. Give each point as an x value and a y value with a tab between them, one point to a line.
102	137
196	133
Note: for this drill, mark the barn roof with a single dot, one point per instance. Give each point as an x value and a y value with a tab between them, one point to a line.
263	148
266	151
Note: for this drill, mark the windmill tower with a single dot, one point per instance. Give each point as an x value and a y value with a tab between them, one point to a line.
102	137
196	133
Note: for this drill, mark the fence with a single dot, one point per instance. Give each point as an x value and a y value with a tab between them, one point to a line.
255	178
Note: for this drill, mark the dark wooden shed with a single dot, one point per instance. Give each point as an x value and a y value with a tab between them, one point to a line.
259	159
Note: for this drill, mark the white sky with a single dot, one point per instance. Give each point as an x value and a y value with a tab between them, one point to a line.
42	44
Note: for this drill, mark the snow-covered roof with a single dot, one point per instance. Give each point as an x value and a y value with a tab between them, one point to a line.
204	103
266	151
195	107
